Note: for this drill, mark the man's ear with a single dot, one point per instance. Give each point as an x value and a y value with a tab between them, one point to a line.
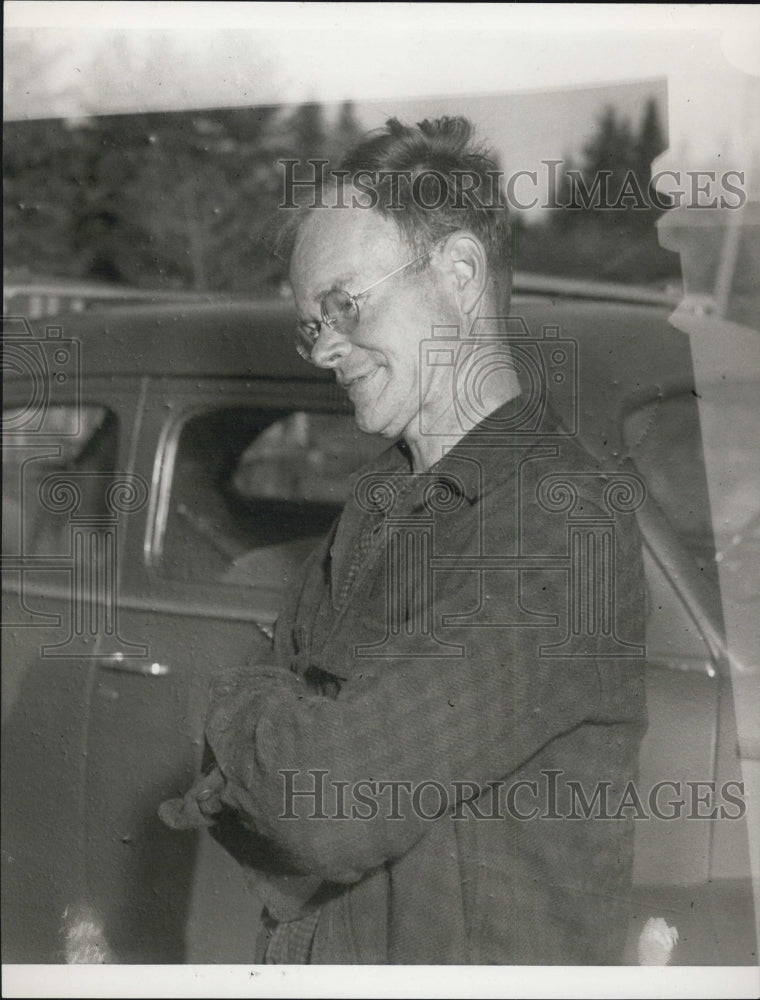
464	258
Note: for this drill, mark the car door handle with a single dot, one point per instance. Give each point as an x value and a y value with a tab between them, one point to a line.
132	665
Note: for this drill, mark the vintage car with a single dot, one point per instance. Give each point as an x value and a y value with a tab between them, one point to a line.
167	468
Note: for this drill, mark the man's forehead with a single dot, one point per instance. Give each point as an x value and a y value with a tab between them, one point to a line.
335	243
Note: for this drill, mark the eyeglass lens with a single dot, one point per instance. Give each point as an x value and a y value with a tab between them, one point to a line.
340	311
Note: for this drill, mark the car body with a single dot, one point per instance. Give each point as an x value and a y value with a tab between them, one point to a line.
160	494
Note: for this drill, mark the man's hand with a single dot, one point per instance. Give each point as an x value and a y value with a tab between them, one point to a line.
198	807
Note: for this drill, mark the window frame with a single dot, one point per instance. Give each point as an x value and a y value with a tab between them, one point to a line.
262	419
169	404
113	395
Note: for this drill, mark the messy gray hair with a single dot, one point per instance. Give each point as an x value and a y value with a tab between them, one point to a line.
432	179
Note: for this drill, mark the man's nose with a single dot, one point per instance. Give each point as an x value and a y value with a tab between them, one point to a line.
331	348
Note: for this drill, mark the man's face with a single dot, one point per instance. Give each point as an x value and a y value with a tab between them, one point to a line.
380	366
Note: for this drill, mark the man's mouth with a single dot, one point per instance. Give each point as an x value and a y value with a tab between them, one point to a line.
348	383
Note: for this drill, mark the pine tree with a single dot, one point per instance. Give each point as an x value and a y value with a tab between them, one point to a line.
307	128
346	132
650	141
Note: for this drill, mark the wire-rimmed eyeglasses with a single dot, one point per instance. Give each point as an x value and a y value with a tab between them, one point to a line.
340	311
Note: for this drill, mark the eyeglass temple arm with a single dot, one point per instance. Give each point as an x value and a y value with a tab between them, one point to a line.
386	276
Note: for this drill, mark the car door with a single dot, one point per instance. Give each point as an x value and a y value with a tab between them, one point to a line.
63	438
244	477
638	409
693	862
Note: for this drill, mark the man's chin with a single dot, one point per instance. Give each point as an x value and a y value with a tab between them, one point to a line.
373	423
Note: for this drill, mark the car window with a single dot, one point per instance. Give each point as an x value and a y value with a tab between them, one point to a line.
49	479
253	491
665	439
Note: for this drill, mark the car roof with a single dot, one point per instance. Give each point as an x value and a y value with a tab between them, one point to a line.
626	352
619	355
220	338
254	339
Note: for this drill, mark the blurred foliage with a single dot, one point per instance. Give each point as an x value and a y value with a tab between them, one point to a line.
188	200
172	200
604	227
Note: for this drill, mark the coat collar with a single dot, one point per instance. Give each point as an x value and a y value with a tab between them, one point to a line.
497	444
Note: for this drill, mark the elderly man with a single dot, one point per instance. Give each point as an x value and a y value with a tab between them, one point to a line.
431	769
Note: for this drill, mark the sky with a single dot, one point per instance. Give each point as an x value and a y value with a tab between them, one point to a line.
534	77
528	128
296	51
69	58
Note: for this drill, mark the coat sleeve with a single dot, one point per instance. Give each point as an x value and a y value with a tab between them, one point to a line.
343	785
308	771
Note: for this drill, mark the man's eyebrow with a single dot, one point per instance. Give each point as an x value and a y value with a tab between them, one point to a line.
341	281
